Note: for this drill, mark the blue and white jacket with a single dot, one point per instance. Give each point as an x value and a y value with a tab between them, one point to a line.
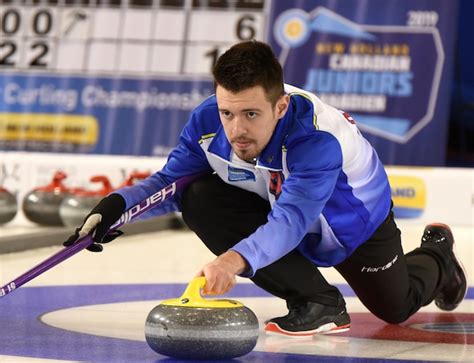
327	187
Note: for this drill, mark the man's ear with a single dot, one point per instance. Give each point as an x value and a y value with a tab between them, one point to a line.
282	106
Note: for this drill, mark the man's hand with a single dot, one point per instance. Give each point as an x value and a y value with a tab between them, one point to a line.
98	221
220	273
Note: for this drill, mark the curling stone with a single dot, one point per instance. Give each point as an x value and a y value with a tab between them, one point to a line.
191	327
8	206
76	206
41	205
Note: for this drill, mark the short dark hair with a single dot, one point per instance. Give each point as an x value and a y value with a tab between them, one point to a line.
250	64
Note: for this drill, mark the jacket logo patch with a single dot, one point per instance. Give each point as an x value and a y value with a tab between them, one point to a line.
236	174
276	181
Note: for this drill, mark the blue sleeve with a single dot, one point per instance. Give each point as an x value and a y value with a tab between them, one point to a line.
185	159
314	164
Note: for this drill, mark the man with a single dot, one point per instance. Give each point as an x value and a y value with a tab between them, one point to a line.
296	186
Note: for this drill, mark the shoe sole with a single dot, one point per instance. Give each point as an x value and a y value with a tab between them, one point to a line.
463	269
459	266
330	328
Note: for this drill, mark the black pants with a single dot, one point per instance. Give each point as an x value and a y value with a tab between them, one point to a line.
222	215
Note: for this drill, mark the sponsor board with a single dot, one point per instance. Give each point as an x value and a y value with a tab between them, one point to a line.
408	195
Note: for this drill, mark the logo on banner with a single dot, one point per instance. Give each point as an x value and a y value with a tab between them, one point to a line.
408	195
387	77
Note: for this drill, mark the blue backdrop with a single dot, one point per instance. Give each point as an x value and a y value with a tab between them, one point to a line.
388	63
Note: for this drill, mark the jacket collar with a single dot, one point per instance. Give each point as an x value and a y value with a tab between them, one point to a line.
270	157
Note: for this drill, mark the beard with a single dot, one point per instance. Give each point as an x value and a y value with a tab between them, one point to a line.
247	153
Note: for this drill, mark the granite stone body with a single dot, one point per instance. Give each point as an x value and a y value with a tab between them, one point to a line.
74	208
201	333
42	207
8	206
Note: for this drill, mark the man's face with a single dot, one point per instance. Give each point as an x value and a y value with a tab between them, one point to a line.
249	119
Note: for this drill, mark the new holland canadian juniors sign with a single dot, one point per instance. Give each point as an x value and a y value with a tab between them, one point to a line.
383	63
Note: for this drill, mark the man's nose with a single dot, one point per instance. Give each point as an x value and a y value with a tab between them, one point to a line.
239	127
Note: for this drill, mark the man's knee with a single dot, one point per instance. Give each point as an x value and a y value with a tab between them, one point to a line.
392	315
193	202
222	214
198	191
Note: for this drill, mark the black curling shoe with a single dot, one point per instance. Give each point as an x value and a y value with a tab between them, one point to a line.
309	318
455	287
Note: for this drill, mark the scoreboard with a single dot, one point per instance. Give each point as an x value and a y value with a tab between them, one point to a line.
134	37
112	76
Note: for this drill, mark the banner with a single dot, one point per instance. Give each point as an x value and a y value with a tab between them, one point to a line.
387	63
111	76
95	115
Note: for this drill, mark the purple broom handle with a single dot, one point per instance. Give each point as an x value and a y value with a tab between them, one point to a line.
130	214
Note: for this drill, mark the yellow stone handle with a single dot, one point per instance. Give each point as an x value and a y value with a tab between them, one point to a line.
193	291
192	297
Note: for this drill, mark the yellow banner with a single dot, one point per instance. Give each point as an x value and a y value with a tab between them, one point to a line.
54	128
408	191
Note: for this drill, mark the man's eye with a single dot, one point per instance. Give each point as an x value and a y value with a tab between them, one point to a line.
226	114
251	114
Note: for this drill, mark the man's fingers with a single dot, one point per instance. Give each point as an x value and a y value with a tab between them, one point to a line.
231	284
214	285
90	224
109	237
95	247
71	239
209	287
218	279
218	286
